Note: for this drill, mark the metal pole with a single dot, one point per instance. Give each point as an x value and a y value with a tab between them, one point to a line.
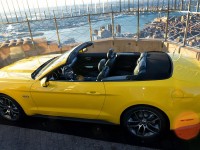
89	21
62	12
66	5
198	3
167	24
120	6
75	6
175	4
189	5
147	5
35	15
158	4
163	3
39	9
181	5
99	5
29	28
124	5
113	25
48	9
45	15
18	8
129	5
83	6
15	12
143	5
187	24
133	4
153	4
4	12
57	7
91	5
57	31
138	21
29	9
9	10
1	18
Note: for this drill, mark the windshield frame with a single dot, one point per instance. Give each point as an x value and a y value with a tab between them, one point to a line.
65	58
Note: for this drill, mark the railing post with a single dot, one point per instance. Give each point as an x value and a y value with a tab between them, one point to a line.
189	5
167	24
158	4
89	21
138	21
187	24
113	26
45	16
198	3
1	18
181	5
48	9
175	4
120	6
147	5
15	12
19	9
57	31
39	9
29	28
4	12
29	9
143	5
9	10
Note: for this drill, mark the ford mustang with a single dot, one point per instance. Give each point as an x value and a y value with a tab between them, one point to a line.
147	93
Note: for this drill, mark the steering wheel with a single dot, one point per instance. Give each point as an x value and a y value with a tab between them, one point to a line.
68	73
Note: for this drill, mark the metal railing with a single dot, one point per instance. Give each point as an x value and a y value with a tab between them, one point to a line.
79	21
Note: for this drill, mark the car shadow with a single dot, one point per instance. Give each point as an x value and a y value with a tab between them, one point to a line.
109	133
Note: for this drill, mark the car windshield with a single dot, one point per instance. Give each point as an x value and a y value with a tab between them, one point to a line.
50	64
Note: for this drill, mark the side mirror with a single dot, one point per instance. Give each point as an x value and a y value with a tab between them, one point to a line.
44	82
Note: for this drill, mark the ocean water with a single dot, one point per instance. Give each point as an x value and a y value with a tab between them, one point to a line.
82	33
78	29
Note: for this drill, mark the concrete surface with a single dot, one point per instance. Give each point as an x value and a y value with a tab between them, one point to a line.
51	134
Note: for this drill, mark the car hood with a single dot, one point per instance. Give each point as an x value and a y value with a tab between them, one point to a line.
22	69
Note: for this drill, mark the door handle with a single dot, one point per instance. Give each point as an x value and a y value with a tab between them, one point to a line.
92	93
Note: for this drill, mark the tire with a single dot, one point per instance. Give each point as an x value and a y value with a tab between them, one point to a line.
10	110
145	122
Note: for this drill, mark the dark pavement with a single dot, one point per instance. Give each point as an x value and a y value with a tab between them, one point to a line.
51	134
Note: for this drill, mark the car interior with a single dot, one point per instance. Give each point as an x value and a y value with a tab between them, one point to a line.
112	66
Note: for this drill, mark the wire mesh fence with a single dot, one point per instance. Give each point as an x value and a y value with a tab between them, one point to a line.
65	22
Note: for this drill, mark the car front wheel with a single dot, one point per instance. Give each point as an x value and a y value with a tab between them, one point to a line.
10	109
145	122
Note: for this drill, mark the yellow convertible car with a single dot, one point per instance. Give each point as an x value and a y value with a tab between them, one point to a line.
147	93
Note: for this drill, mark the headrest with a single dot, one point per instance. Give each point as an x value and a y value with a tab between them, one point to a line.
110	53
141	66
141	56
101	64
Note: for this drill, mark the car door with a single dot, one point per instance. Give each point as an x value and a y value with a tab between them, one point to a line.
69	98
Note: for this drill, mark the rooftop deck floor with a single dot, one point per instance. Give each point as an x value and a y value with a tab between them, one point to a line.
51	134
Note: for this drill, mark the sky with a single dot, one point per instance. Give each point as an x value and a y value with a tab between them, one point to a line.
23	4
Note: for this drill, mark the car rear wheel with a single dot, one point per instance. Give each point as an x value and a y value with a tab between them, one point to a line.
10	109
145	122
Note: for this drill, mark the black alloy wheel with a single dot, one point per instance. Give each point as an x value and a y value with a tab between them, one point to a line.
9	109
145	122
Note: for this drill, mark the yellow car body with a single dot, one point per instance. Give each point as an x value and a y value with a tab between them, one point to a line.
105	101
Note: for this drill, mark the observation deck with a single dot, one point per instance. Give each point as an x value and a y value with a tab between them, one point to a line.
148	25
